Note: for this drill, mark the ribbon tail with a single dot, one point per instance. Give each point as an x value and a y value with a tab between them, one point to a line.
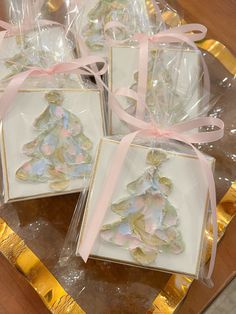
116	107
92	230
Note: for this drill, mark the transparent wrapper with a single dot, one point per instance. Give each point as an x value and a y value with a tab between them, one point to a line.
148	222
54	151
175	90
43	225
139	16
31	41
60	126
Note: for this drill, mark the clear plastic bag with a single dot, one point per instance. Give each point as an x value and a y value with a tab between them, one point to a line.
175	90
115	288
54	152
133	231
30	41
149	222
137	16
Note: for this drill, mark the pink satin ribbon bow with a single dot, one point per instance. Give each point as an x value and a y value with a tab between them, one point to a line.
80	66
183	133
11	29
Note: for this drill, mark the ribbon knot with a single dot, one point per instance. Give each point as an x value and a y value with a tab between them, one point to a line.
155	131
141	37
153	38
49	71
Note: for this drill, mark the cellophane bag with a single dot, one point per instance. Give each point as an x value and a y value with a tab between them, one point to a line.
43	225
157	212
139	16
153	168
30	41
60	127
175	88
60	119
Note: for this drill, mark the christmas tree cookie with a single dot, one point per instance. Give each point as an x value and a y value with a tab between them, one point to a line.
148	222
61	152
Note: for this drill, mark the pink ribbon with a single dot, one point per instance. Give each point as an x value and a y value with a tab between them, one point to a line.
182	132
11	29
178	132
80	66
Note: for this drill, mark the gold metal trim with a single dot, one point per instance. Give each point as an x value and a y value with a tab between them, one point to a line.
212	46
176	288
56	299
53	6
221	53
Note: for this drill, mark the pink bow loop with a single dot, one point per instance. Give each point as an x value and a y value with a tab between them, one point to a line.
193	31
13	30
9	28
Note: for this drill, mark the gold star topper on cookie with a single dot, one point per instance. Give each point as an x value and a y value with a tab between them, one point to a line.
155	157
